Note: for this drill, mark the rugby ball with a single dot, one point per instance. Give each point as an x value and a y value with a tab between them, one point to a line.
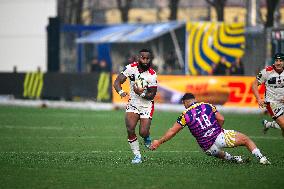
140	82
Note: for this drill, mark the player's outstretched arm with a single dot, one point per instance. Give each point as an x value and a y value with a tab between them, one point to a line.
120	79
167	136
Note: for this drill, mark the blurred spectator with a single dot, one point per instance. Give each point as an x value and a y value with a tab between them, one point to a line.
170	62
237	67
103	66
221	68
95	66
99	66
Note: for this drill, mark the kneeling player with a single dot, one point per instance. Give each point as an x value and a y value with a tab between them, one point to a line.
204	123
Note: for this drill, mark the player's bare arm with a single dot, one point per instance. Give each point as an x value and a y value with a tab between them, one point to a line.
167	136
254	88
220	118
120	79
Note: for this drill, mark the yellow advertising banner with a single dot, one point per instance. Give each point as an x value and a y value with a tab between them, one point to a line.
230	91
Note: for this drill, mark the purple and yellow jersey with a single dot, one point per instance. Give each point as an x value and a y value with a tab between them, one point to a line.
202	123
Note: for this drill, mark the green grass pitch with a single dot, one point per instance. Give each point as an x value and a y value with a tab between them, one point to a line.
57	148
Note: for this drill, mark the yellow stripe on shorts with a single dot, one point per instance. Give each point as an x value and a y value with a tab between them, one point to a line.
230	138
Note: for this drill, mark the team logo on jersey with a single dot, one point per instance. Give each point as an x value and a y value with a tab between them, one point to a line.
272	80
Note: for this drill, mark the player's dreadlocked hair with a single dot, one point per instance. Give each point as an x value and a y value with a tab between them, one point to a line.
146	50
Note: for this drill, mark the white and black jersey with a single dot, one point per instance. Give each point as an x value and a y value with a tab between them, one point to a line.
274	84
133	73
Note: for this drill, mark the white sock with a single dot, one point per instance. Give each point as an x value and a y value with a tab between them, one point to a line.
134	145
228	156
272	124
275	125
256	152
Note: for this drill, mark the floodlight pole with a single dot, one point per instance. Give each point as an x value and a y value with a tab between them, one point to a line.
177	48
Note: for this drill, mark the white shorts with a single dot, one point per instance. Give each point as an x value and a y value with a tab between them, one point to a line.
225	139
142	110
275	109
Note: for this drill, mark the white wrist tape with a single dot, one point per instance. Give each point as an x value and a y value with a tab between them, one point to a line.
143	94
120	92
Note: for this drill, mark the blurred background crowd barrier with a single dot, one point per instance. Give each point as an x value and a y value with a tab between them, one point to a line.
57	86
229	91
